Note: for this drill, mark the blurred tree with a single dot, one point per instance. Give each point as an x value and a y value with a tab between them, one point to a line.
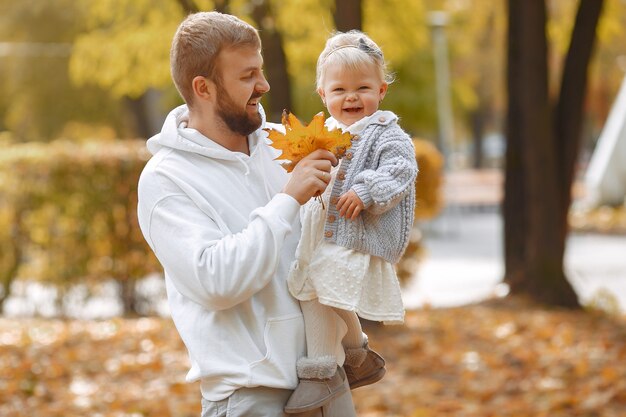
481	63
38	99
68	215
348	15
275	62
544	138
607	68
141	32
136	69
400	28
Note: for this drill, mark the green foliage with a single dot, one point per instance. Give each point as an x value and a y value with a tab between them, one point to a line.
69	210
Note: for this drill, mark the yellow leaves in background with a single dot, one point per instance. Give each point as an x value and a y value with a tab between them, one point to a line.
70	208
127	50
298	140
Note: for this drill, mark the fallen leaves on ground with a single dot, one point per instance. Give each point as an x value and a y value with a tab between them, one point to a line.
603	219
496	359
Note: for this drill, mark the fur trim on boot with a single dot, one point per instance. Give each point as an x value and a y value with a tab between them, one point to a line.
323	367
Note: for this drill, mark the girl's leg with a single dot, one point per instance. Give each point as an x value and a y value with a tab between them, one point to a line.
354	337
324	330
320	380
363	366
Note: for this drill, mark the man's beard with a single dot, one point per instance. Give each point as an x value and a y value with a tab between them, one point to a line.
238	121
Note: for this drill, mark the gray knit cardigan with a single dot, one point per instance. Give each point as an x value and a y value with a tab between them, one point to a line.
381	168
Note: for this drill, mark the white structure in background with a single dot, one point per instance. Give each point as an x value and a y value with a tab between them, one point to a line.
605	179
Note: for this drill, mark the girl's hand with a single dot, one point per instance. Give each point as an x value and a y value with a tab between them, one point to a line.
350	205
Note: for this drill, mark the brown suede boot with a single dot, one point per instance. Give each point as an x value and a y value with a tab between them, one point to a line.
321	380
363	366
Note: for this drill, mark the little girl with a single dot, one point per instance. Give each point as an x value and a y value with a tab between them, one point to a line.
345	260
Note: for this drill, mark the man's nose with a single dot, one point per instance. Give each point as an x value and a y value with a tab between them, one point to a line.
263	86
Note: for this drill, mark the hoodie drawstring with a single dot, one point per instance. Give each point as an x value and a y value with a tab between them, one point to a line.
243	162
246	175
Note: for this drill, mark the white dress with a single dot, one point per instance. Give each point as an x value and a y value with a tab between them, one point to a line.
341	277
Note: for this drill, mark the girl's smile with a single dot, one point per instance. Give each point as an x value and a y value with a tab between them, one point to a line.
352	93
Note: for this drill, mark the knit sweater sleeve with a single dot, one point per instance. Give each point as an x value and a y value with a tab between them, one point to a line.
382	188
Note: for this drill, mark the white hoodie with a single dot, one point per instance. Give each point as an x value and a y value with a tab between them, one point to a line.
225	236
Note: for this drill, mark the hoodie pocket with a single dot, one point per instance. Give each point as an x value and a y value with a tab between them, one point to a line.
285	344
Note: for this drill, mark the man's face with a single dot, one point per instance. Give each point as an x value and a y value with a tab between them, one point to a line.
239	87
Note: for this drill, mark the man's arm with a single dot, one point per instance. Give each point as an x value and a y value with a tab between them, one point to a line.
219	270
214	269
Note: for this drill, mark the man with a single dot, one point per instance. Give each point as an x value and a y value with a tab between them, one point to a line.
222	217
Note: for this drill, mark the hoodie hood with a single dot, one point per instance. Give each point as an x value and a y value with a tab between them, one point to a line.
176	135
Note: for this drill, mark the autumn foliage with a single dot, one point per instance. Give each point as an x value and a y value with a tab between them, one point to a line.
299	140
429	182
504	358
68	213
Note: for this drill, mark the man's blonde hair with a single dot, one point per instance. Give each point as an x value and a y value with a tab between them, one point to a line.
354	50
197	43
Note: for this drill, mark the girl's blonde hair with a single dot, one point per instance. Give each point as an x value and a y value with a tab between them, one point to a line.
354	50
197	43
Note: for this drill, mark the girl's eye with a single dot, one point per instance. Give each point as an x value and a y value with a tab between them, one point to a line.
338	90
363	87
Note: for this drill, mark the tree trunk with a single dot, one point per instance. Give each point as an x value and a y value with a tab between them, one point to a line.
570	105
128	295
188	6
279	97
8	274
143	115
13	265
222	6
479	117
477	123
541	150
348	15
533	258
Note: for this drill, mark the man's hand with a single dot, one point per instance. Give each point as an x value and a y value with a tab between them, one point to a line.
310	176
350	205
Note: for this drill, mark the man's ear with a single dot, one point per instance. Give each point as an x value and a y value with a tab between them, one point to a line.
203	88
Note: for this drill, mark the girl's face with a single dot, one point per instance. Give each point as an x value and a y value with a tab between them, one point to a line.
352	94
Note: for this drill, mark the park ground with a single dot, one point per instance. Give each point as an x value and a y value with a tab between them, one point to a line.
466	348
504	357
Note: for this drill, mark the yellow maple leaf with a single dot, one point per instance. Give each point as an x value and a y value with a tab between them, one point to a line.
298	140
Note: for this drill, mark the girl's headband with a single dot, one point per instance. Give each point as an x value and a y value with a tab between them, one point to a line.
362	46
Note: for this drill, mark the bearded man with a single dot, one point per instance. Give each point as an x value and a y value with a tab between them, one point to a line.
222	218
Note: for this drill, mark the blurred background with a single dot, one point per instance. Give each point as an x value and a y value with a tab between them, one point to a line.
517	110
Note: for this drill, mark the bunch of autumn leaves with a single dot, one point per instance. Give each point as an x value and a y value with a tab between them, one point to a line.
299	140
